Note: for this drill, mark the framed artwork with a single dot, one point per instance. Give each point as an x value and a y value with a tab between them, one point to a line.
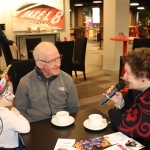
37	14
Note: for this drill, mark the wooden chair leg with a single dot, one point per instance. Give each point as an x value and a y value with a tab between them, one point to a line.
84	75
75	73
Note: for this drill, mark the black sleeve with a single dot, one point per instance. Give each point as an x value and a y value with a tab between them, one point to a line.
3	39
115	117
116	114
129	99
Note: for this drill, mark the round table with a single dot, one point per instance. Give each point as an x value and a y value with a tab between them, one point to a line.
124	40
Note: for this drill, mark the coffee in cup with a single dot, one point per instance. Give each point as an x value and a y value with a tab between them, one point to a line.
62	117
96	120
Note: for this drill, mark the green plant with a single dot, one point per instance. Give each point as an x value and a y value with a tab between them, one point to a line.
144	17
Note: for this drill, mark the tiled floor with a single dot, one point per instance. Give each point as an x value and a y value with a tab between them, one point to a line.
90	91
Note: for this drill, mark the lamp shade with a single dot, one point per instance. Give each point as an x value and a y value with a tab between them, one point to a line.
97	1
78	4
134	4
140	7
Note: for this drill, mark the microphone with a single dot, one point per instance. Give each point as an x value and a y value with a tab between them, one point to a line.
118	87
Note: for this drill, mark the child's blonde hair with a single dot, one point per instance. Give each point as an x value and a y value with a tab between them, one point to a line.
4	83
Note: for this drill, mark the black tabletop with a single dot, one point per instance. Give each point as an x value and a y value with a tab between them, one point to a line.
44	135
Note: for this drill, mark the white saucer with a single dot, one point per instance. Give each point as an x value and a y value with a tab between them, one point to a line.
86	125
54	121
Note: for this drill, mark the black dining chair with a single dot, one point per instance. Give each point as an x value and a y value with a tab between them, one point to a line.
19	69
31	43
78	63
139	43
121	65
66	49
7	54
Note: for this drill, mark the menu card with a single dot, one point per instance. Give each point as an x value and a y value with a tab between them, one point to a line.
126	145
114	141
122	142
65	144
116	137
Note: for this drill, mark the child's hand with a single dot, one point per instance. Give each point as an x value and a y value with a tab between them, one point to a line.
16	111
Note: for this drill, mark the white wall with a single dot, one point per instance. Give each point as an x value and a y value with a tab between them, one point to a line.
5	17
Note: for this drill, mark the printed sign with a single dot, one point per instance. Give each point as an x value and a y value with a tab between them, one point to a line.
46	14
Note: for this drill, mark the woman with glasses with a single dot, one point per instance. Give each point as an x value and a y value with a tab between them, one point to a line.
47	89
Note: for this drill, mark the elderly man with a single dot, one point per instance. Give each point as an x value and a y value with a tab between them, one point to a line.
47	89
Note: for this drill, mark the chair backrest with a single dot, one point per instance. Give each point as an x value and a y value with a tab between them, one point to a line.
19	69
80	49
139	43
7	53
31	44
66	49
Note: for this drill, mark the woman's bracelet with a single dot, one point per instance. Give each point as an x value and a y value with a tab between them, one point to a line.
119	106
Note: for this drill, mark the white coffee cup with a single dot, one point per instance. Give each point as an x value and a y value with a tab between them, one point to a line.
62	117
96	120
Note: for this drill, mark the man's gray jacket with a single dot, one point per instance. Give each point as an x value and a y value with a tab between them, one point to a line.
37	101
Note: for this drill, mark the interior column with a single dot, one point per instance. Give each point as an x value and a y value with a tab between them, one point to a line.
116	19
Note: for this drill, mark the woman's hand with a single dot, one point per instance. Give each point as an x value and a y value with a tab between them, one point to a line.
15	46
117	98
15	110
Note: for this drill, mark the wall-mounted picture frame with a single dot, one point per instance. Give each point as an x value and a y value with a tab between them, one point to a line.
46	14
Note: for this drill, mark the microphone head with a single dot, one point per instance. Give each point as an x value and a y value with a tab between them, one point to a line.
120	85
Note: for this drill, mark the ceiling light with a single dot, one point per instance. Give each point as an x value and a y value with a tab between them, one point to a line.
97	1
78	5
134	4
140	7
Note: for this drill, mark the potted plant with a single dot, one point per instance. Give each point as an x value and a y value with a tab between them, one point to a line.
144	17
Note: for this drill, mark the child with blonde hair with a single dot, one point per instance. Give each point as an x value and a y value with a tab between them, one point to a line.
11	121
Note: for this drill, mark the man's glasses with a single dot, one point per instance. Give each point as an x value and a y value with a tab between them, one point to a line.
51	62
